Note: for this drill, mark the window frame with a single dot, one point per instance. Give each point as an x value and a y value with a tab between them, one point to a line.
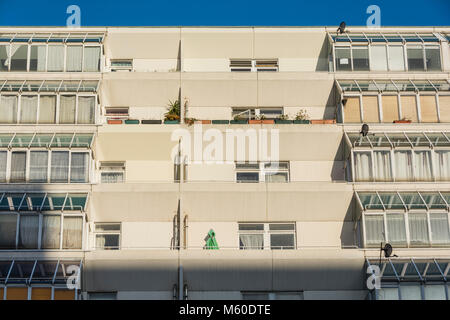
261	171
266	232
111	232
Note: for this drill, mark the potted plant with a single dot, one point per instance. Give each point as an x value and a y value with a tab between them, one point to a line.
284	118
261	119
301	117
114	121
173	113
238	119
203	121
402	120
323	121
189	121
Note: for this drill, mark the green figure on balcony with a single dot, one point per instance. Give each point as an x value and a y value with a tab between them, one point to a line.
211	242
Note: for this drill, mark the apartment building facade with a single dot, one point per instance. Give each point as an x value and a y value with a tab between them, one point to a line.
90	190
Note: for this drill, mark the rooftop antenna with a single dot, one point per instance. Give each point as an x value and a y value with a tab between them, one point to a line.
341	28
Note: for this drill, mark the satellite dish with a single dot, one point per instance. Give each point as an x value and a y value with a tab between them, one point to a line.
341	28
364	129
387	250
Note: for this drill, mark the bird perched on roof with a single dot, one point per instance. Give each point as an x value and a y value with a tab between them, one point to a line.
341	28
364	130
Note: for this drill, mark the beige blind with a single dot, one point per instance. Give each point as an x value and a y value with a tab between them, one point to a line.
370	109
64	295
41	294
352	113
390	108
16	293
409	110
428	110
444	108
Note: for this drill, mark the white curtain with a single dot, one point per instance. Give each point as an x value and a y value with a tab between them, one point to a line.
439	228
18	166
74	58
276	177
100	241
442	167
418	228
3	157
51	225
251	241
378	59
28	232
396	228
72	232
112	177
91	59
86	109
422	165
382	165
8	226
374	225
403	166
28	109
79	167
396	59
67	109
363	166
41	56
60	166
47	109
55	58
411	292
38	166
8	109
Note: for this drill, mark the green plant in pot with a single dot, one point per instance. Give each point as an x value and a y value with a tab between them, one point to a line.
301	117
284	118
238	119
173	112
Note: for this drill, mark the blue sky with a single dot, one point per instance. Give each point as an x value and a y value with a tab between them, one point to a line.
224	13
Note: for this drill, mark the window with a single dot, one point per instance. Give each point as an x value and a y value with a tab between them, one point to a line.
72	232
28	231
60	167
422	165
67	109
55	58
121	65
396	228
403	166
262	172
433	58
439	228
343	59
79	167
19	54
352	111
374	229
8	226
47	109
91	60
382	161
258	236
363	166
51	232
396	58
4	53
28	109
378	58
8	109
112	172
116	112
255	113
38	166
415	58
18	166
442	167
3	159
248	65
74	58
86	110
107	236
360	58
38	56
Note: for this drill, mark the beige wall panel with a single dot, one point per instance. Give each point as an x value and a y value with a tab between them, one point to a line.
217	43
211	172
122	146
444	108
209	113
139	92
141	113
324	234
149	43
316	170
390	108
352	111
226	234
409	109
206	65
140	235
210	93
370	109
149	171
428	112
294	93
155	65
